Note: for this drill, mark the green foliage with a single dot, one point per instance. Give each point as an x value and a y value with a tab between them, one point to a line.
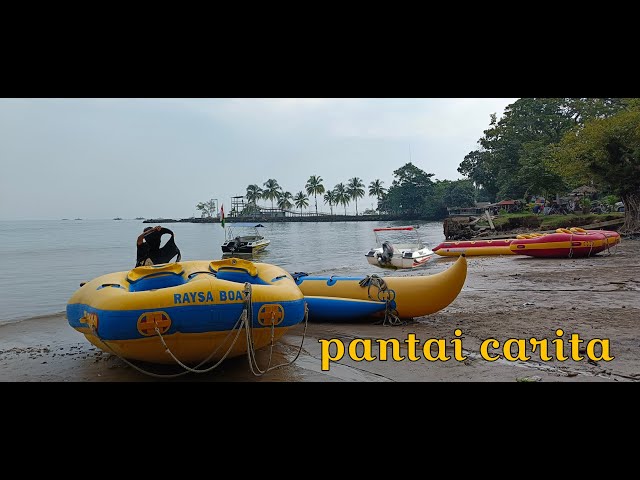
254	193
207	208
330	198
434	205
301	200
477	165
271	190
606	152
284	200
482	195
513	159
409	191
377	190
448	193
315	187
458	193
534	174
355	190
548	222
585	204
250	210
341	196
610	200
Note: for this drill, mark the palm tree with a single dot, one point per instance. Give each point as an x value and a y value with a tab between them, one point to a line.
284	200
377	190
271	190
254	192
330	198
355	190
341	196
301	200
314	187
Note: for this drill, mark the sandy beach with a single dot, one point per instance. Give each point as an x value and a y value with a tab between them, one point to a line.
505	297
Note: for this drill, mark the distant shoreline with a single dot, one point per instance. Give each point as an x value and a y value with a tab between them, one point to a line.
311	218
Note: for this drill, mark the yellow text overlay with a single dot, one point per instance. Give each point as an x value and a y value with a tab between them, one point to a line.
441	350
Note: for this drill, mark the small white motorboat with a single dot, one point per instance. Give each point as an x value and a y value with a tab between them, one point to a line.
391	253
236	243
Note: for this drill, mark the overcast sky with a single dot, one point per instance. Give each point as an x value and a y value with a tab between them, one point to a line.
152	158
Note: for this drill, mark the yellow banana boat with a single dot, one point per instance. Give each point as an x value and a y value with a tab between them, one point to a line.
410	296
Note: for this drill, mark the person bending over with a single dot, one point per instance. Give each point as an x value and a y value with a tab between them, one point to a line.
148	246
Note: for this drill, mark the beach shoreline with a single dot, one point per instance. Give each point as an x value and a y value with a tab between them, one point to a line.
506	298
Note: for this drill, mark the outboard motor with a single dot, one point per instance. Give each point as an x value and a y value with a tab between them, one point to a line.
234	244
387	252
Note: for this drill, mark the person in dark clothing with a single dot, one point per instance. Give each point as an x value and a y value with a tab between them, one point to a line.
149	251
148	245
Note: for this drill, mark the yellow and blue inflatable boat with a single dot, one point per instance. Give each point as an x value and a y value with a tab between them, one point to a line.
189	310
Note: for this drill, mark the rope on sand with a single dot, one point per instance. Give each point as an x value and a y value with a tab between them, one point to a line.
385	294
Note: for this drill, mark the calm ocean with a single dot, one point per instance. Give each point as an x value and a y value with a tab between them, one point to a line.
44	262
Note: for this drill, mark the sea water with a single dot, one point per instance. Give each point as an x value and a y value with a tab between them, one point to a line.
43	262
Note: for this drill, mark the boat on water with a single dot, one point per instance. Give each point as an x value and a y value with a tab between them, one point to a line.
565	243
405	249
187	312
337	298
244	238
474	248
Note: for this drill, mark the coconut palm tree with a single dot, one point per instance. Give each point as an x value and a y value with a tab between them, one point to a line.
271	190
355	190
284	200
254	192
330	198
301	200
377	190
341	196
314	187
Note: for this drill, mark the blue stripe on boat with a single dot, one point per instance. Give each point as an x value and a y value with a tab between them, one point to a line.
335	309
122	324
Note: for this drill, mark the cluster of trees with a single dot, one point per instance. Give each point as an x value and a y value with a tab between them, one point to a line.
412	194
341	194
552	145
207	208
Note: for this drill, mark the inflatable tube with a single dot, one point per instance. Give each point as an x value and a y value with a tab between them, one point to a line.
566	245
474	247
194	306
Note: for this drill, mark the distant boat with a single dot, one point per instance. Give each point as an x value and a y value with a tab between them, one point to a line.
247	244
117	218
77	219
139	218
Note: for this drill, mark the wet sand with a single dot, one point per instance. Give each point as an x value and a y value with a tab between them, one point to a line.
504	297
